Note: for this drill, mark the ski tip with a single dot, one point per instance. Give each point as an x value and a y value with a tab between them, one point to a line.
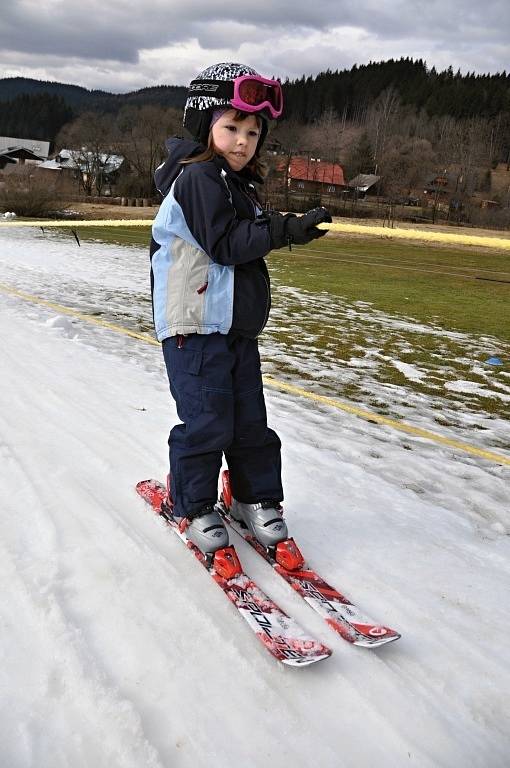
153	492
306	655
378	640
306	661
364	635
147	487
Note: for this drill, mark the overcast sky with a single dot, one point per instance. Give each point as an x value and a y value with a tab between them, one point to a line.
120	45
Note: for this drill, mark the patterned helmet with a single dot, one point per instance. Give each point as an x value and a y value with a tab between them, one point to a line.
206	94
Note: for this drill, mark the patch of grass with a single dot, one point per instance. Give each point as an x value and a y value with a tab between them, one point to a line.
431	285
139	235
345	309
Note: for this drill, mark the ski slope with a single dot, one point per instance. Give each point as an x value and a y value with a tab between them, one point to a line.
117	651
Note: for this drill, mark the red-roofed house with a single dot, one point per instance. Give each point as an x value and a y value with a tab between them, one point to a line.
309	174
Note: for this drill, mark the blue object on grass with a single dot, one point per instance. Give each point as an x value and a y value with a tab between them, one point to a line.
494	361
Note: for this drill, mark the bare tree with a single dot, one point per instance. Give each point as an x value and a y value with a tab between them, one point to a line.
405	164
325	136
88	139
140	135
380	120
290	135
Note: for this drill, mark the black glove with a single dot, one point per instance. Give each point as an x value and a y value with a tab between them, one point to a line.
289	228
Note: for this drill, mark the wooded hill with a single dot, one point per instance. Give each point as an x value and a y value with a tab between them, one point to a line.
37	109
81	99
351	92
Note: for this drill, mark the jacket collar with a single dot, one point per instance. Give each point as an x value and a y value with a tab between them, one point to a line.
243	177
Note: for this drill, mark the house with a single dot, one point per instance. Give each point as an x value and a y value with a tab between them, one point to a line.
90	169
442	185
310	175
16	152
19	156
75	159
36	150
363	183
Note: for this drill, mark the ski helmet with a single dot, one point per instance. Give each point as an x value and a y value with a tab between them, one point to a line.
221	85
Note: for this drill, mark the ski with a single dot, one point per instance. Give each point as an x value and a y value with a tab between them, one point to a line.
286	559
281	635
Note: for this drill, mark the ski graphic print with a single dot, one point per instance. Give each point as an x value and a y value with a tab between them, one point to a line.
340	613
280	634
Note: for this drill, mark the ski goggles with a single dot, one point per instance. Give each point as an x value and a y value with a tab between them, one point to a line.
248	93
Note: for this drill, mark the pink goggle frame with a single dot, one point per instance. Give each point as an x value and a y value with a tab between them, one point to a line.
253	93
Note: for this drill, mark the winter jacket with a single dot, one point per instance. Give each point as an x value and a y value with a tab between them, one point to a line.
208	272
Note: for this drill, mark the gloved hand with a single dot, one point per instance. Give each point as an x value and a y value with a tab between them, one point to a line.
289	228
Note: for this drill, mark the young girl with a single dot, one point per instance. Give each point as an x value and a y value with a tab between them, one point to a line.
211	300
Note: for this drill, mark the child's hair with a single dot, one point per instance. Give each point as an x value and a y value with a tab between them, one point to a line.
256	166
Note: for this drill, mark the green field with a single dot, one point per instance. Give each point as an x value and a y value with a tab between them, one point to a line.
459	289
383	306
385	323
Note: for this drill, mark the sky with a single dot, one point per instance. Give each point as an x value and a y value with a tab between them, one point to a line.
122	46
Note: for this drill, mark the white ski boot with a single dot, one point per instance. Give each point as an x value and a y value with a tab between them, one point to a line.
206	530
264	520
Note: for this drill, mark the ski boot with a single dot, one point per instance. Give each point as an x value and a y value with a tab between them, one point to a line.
205	529
265	522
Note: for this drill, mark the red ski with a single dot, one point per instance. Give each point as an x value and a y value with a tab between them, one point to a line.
281	635
342	615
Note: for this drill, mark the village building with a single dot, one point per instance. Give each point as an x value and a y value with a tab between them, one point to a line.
312	176
363	184
441	186
15	151
80	169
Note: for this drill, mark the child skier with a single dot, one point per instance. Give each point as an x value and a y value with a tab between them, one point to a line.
211	300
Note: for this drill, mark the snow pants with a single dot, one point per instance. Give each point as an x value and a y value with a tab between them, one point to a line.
216	382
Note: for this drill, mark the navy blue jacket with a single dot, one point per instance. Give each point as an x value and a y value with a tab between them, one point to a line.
208	272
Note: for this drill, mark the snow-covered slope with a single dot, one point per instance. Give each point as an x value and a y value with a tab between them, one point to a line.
117	651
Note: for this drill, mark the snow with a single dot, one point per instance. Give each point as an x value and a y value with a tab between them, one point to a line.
410	371
118	651
471	387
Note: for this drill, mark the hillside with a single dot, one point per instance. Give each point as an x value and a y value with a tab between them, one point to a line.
81	99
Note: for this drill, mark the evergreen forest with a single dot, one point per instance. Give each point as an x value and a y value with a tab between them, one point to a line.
37	109
399	120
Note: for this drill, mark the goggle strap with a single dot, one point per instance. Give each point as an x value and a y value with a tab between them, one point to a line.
220	89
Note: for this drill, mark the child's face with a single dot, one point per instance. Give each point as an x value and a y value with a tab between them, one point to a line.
236	140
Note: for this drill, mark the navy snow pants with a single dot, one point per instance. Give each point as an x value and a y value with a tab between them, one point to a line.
216	382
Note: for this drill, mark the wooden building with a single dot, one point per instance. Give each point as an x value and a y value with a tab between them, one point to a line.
309	175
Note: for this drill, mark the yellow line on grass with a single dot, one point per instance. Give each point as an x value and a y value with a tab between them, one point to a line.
398	233
69	223
375	417
79	315
277	383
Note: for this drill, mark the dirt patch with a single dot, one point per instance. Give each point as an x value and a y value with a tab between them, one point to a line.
104	211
